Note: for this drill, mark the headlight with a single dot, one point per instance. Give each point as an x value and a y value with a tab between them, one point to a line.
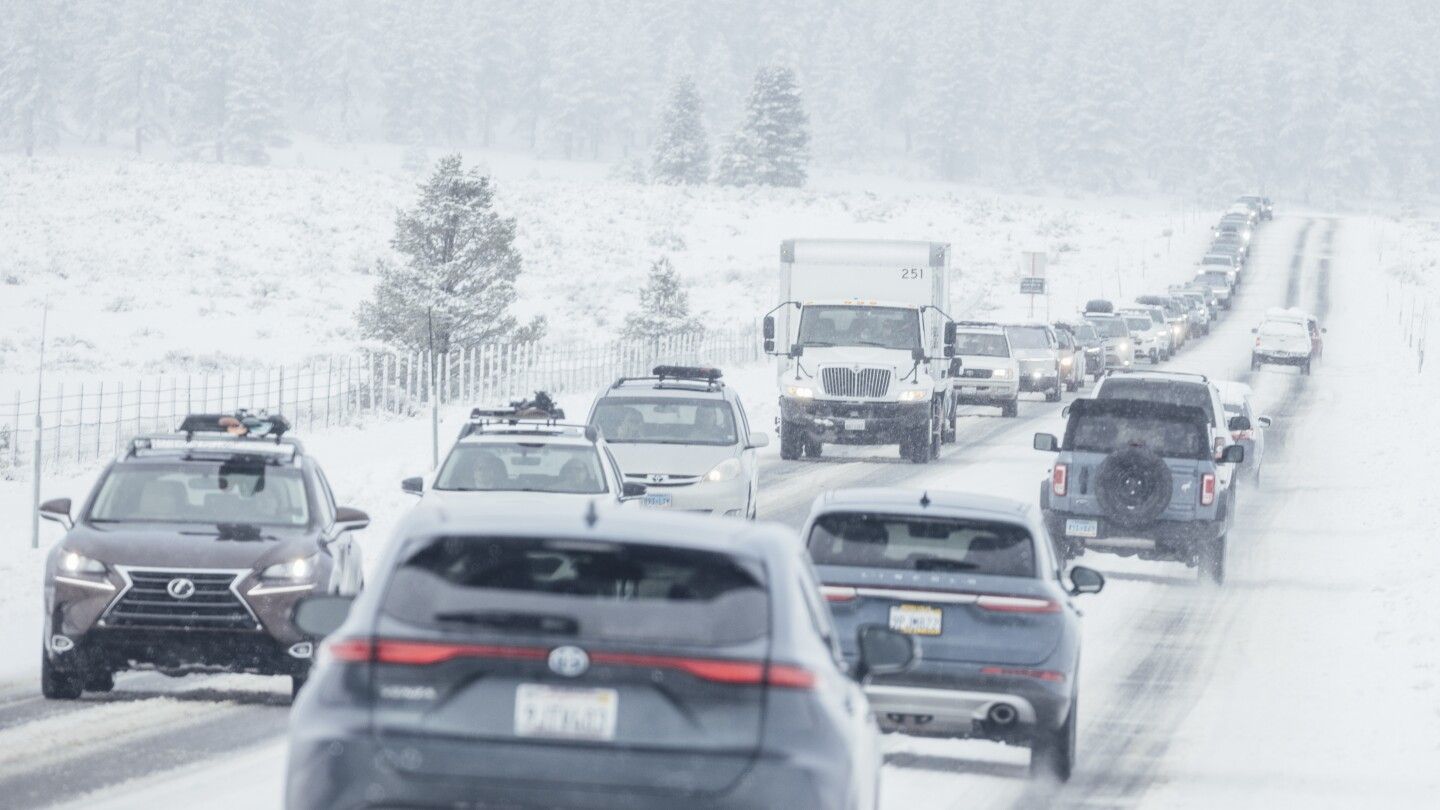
914	396
724	471
800	392
1000	373
1065	361
298	569
1123	346
74	563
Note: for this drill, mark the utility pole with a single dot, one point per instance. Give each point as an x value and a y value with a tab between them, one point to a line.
39	425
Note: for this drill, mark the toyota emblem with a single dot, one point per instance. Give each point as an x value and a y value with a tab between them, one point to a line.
570	662
657	478
180	588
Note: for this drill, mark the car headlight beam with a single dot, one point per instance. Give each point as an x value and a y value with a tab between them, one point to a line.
800	392
724	471
916	395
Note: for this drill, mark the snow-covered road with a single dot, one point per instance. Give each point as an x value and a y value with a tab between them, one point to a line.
1310	679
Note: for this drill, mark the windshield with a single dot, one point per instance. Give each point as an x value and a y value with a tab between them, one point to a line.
665	420
885	327
867	540
582	590
1111	327
1167	391
1139	323
522	467
1107	433
1027	337
1215	278
981	344
203	492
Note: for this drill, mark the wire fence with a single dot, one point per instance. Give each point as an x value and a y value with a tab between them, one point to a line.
1411	306
72	423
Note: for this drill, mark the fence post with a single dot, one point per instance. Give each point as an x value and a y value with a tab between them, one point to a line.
15	435
59	418
80	426
119	415
329	367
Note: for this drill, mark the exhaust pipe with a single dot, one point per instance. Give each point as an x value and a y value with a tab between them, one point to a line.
1002	714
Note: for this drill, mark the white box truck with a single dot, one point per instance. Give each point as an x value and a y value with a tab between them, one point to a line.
864	346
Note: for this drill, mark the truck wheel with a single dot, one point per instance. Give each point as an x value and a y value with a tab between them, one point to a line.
948	430
792	442
1211	566
916	448
99	680
1052	754
56	684
1053	395
813	448
1011	409
937	437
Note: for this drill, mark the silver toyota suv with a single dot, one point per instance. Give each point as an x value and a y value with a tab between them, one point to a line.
983	371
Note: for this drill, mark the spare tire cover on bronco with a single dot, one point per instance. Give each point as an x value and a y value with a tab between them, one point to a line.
1133	486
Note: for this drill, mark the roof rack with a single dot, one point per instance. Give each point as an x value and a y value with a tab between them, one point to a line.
699	378
534	416
1191	374
187	446
242	423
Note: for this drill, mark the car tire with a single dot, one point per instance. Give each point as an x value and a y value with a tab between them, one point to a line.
1054	394
792	442
950	430
1210	565
1052	754
57	684
1305	369
99	680
1255	363
814	449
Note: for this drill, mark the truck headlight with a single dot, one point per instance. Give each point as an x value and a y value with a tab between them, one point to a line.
916	395
800	392
1123	346
1065	361
724	471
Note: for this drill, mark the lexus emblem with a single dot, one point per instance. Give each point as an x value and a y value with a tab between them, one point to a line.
180	588
570	662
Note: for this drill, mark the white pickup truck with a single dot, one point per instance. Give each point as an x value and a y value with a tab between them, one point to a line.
863	346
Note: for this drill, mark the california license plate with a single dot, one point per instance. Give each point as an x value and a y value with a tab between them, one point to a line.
854	424
657	501
917	620
1082	528
565	712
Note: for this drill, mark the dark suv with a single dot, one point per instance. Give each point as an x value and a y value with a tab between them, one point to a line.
1138	478
189	554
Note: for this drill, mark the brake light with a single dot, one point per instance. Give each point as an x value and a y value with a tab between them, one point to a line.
838	593
1048	675
1207	489
348	650
1017	604
1060	479
739	673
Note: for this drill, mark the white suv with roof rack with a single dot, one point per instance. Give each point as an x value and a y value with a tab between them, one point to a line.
683	434
526	454
983	371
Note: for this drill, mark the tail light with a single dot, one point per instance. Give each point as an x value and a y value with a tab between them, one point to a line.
1060	480
427	653
1017	604
1020	672
1207	489
838	593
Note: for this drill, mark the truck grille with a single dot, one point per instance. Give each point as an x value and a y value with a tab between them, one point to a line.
845	382
977	373
149	602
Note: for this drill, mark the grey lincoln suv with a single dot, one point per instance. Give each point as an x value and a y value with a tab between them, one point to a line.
189	554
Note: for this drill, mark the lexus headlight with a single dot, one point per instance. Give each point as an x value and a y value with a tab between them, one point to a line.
75	563
914	396
724	471
800	392
299	569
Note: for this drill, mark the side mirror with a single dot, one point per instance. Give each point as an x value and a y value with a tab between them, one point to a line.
1046	443
769	346
796	349
319	616
949	339
1264	421
757	440
58	510
884	651
632	489
767	328
413	486
348	520
950	350
1085	580
1254	330
918	354
1238	423
1324	331
1234	454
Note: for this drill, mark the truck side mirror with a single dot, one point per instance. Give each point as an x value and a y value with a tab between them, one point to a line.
949	335
1239	423
796	349
769	346
918	354
768	327
1046	443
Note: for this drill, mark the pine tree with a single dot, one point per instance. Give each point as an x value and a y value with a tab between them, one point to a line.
32	75
340	67
664	307
682	154
458	272
772	146
135	78
252	121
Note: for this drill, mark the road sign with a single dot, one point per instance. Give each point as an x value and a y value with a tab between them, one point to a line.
1032	285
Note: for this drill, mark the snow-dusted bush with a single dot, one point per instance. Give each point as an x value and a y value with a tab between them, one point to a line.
664	307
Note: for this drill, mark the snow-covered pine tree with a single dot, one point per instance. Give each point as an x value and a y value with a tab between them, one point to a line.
32	74
664	306
458	270
252	118
340	66
682	153
135	78
772	146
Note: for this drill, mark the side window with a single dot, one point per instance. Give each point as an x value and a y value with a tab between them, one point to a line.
818	612
615	468
327	497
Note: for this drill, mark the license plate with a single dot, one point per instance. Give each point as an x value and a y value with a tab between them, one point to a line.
917	620
564	712
854	424
969	389
657	501
1082	528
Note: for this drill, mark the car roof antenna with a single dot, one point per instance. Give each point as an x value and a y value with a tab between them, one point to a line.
925	500
590	515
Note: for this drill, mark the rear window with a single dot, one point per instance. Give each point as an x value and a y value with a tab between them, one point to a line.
908	543
1139	323
589	590
237	491
1284	329
1169	392
1107	433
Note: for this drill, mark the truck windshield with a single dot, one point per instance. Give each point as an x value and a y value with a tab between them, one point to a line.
885	327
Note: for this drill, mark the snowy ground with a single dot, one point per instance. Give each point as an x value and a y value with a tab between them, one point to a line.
1312	679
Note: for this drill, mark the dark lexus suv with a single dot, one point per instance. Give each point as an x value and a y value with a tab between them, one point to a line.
189	554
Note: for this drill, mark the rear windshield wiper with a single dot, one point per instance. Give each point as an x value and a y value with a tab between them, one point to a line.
942	564
549	624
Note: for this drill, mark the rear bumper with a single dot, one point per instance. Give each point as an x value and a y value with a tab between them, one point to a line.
956	700
826	420
1281	358
1176	540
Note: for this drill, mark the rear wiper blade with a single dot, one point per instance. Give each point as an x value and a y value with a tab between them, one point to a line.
549	624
